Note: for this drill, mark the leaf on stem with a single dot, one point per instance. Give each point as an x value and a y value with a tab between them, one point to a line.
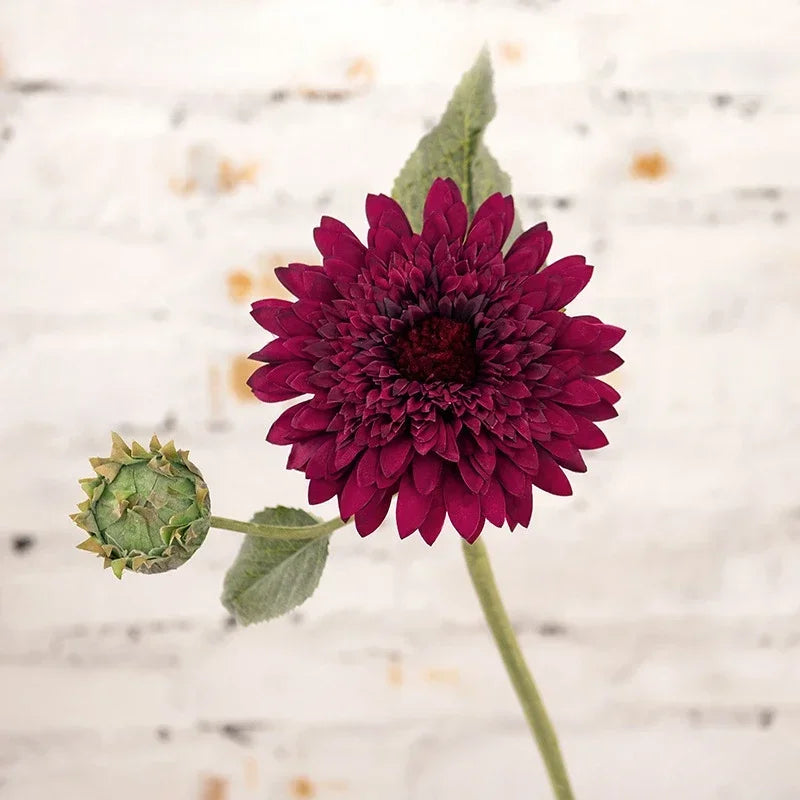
272	576
454	149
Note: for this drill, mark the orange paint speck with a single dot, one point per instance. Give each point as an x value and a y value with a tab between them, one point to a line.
214	787
272	287
240	285
251	773
182	186
230	176
649	166
302	787
241	369
361	69
394	674
336	786
451	677
511	52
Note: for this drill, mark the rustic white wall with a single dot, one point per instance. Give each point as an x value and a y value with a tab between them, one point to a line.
158	158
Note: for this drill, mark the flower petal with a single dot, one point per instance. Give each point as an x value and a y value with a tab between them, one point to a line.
395	455
384	212
369	518
492	222
268	389
529	250
559	419
354	497
578	393
519	508
565	453
463	507
567	278
607	335
265	313
291	277
412	507
601	363
334	239
321	490
312	418
472	479
282	430
317	286
427	471
493	504
550	477
606	392
282	381
510	476
432	526
367	469
444	198
597	412
589	436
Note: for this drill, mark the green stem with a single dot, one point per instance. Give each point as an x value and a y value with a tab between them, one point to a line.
277	531
480	571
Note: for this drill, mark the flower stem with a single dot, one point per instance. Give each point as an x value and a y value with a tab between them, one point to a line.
277	531
480	571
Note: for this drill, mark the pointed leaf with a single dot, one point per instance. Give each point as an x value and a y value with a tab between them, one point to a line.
91	545
488	178
117	566
272	576
454	148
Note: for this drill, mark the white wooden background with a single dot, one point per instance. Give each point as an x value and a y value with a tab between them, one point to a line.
158	158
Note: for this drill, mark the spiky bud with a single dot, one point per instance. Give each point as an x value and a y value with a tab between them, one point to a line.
147	510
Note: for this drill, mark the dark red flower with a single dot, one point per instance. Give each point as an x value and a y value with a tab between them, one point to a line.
439	369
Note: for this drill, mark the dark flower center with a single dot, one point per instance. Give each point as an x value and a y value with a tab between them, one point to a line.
438	349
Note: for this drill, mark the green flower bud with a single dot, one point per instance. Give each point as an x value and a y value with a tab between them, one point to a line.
148	510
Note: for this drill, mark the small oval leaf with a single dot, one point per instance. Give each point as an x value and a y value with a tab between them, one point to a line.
272	576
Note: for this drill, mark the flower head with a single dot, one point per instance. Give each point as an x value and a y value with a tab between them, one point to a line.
147	510
439	369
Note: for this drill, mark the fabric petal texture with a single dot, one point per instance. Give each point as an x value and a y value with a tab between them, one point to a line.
435	368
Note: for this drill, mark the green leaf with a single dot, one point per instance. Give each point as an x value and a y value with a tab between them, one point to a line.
273	576
488	178
455	149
